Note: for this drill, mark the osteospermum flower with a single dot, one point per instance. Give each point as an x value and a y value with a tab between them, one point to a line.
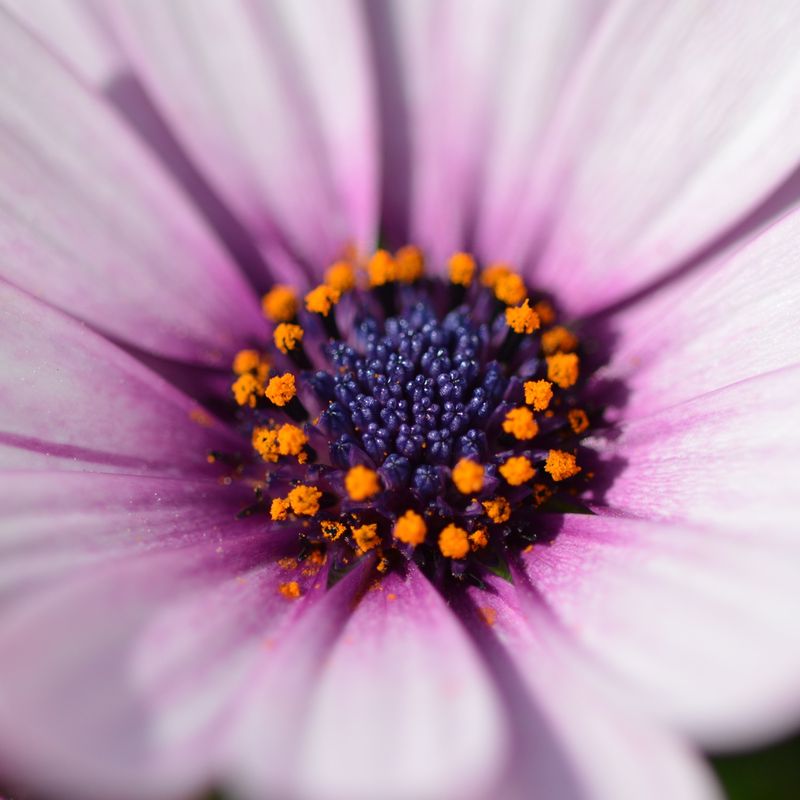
499	503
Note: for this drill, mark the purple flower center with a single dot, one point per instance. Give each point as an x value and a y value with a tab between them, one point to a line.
414	417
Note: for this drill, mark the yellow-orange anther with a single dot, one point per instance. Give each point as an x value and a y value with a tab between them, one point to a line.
522	319
468	476
287	336
341	276
290	590
454	542
304	500
462	269
280	303
322	299
246	361
265	443
517	470
562	368
561	465
479	539
279	509
246	389
497	509
578	420
559	339
361	483
366	537
332	530
409	264
410	528
493	273
281	389
546	312
381	268
519	422
538	394
291	440
510	289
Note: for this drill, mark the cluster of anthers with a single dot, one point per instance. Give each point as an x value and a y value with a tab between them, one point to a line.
416	417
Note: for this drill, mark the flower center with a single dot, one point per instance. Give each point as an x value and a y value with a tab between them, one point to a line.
414	417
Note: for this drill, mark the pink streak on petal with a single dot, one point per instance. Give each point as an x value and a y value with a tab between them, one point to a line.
91	224
281	126
698	623
72	400
736	319
679	122
578	736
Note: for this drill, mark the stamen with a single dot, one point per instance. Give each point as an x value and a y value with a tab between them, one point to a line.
322	299
366	537
409	264
519	422
291	440
517	470
246	361
468	476
461	268
559	339
498	509
561	465
279	509
281	389
562	369
538	394
493	274
287	336
332	530
246	390
578	420
522	319
454	542
510	289
381	268
341	276
265	443
410	528
280	303
479	539
304	500
362	483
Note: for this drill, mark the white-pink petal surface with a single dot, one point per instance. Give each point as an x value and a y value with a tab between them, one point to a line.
88	217
680	119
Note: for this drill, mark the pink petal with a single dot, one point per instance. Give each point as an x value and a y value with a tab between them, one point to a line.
72	400
699	624
726	459
122	682
273	102
72	30
106	238
734	320
680	120
400	705
577	736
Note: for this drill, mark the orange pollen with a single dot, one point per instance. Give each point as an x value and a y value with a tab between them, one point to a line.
468	476
578	420
361	483
538	394
281	389
265	443
246	361
304	500
381	268
522	319
498	510
332	530
280	303
341	276
287	336
519	422
562	368
409	264
510	289
454	542
290	590
322	299
246	389
366	537
561	465
462	269
558	339
517	470
493	274
479	539
279	509
546	312
541	493
410	528
291	440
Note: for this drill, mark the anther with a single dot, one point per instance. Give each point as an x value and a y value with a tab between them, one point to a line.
280	304
517	470
538	394
562	369
454	542
361	483
410	529
561	465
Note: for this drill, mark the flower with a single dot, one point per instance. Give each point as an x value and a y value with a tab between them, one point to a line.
204	585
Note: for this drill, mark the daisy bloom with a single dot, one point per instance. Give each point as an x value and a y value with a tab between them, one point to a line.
399	398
